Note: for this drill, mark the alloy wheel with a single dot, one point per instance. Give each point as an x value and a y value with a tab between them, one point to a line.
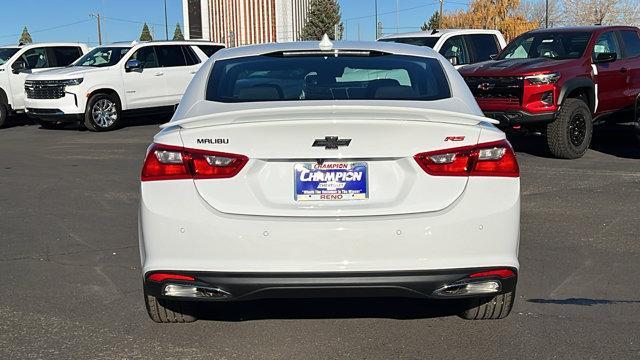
104	113
577	129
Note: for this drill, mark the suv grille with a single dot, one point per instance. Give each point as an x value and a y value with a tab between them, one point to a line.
506	88
44	89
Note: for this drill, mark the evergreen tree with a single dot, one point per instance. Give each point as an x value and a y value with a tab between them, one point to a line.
177	34
432	23
25	38
146	34
322	18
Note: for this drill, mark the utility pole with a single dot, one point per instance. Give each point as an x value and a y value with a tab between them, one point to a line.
166	25
546	14
358	31
97	17
397	18
375	2
440	14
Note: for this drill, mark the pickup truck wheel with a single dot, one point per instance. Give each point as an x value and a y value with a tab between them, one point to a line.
4	114
168	311
569	136
103	113
491	308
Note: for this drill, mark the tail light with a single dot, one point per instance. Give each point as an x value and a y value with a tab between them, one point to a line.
501	273
166	162
160	277
487	159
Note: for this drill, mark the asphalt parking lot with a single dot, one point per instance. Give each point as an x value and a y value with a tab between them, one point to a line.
71	282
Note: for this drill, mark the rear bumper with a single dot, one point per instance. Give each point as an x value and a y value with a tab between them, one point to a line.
252	286
180	232
514	118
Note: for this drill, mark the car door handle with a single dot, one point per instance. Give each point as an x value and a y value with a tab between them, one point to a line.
624	69
159	74
192	72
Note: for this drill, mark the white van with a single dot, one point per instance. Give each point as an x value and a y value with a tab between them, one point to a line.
112	79
459	46
17	62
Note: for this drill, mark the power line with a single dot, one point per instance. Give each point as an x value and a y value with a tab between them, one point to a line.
49	28
390	12
131	21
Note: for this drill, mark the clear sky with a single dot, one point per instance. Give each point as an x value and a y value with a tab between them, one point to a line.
68	20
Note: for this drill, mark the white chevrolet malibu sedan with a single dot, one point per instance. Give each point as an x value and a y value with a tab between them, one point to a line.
319	169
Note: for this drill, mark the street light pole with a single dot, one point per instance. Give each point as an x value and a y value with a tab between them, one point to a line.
546	14
440	14
166	25
375	2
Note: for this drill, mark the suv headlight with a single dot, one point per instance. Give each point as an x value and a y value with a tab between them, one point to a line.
542	79
71	82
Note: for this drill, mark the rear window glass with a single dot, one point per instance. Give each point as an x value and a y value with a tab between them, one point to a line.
418	41
298	78
209	50
631	42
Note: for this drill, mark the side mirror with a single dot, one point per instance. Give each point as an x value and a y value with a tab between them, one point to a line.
493	56
453	60
605	57
133	65
18	66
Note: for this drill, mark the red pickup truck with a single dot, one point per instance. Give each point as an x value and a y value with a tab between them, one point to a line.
560	81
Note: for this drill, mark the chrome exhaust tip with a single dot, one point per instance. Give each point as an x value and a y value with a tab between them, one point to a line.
193	291
469	288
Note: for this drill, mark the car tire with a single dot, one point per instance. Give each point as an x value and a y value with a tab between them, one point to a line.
103	113
569	136
168	311
4	115
491	308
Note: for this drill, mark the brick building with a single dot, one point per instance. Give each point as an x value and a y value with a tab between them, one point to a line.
243	22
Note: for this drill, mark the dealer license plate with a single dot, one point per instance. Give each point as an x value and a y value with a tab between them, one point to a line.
330	181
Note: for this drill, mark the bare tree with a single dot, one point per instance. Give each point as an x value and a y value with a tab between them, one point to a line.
535	11
600	12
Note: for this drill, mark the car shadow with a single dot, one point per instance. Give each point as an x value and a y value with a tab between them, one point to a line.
19	120
619	140
582	301
332	308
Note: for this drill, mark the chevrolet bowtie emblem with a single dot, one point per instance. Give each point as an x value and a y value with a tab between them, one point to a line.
331	142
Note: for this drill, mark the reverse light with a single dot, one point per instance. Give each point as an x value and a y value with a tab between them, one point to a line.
542	79
487	159
164	162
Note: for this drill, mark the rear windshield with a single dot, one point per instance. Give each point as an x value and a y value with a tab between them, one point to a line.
418	41
553	45
344	77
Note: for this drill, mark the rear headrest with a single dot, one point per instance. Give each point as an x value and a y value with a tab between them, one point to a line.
261	92
395	92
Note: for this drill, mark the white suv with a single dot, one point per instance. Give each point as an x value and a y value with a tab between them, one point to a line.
115	78
459	46
17	62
